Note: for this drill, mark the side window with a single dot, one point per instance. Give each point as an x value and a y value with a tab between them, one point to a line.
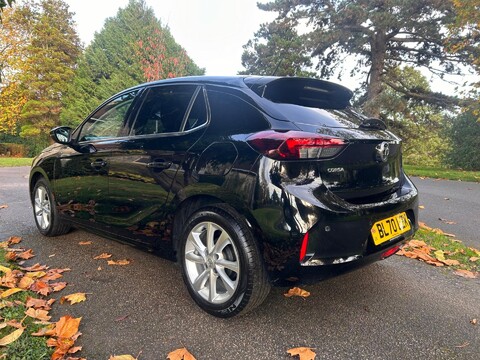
163	109
107	122
198	114
232	115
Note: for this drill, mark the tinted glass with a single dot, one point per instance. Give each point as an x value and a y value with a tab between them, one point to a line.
232	115
163	110
107	122
198	114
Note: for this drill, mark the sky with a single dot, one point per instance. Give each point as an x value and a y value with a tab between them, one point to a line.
211	31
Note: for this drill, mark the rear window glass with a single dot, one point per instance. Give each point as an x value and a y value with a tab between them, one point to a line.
346	118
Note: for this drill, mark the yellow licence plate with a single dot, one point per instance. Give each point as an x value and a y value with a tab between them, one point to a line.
389	228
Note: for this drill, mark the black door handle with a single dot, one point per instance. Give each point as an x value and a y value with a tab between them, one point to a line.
159	165
99	163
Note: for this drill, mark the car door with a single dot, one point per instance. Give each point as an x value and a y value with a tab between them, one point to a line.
81	182
143	165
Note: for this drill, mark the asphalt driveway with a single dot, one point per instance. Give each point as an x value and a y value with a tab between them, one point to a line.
394	309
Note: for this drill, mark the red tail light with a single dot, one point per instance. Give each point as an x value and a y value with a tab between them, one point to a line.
295	145
303	247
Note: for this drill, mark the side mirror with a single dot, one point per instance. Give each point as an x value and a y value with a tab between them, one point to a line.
62	135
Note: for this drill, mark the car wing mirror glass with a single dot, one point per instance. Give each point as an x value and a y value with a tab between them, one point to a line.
62	135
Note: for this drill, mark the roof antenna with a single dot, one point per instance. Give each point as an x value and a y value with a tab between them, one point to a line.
278	65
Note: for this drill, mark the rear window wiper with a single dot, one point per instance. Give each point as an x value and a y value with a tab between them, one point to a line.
373	124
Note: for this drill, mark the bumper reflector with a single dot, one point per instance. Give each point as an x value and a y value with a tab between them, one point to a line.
303	248
390	252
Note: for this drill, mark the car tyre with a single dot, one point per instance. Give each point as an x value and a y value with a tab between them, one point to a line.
221	262
45	212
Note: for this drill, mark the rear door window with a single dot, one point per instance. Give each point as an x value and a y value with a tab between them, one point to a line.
164	110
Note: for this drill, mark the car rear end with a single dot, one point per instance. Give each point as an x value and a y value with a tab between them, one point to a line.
332	194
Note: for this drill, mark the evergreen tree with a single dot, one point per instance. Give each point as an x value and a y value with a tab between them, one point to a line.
124	53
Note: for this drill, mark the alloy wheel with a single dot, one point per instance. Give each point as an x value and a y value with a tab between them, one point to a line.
212	262
43	210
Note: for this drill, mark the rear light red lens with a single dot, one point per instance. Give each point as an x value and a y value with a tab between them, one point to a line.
303	247
390	252
295	145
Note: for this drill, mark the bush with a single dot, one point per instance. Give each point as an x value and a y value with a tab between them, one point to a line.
12	149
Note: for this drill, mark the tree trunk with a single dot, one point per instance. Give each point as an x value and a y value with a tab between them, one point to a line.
375	81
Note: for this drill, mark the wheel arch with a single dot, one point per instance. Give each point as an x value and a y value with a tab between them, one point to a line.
194	202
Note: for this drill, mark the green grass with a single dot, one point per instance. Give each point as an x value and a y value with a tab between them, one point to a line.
12	161
440	173
453	249
12	308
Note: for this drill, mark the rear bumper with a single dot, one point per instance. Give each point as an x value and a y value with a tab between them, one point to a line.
339	232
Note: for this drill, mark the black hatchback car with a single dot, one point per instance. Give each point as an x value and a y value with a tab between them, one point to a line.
246	181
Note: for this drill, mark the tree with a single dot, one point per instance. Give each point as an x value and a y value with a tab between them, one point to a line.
3	5
51	56
277	50
465	137
131	48
14	35
380	35
468	26
422	126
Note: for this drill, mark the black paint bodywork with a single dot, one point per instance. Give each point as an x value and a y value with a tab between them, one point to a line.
142	188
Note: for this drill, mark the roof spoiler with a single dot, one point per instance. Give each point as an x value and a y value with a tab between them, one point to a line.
301	91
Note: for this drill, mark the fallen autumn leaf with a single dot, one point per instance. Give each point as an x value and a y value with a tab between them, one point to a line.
304	353
85	243
103	256
118	262
296	291
466	274
180	354
10	338
74	298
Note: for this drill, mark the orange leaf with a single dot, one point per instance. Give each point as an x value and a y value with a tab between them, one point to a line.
85	243
4	206
36	267
39	303
67	326
304	353
10	256
26	254
58	286
466	274
473	258
296	291
180	354
12	240
10	338
118	262
103	256
40	287
25	282
121	357
38	314
73	298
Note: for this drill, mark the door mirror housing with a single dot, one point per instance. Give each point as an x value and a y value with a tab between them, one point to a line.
62	135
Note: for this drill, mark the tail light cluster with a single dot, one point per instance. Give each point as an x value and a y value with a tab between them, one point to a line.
295	145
